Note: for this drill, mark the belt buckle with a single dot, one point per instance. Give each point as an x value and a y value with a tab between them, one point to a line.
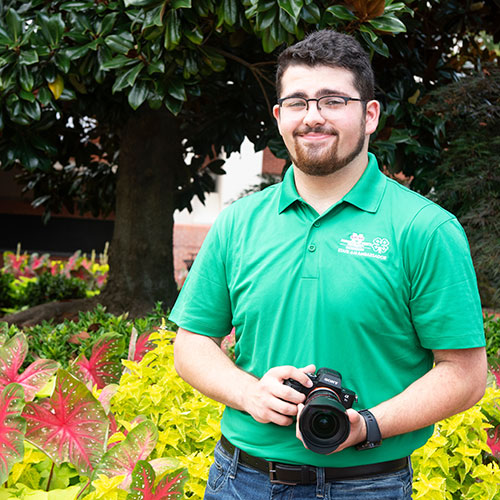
273	478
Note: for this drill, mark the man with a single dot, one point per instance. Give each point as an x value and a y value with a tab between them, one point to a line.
336	267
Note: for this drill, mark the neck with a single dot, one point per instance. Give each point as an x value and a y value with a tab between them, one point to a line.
322	192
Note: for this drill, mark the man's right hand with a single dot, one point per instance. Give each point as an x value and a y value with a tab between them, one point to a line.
268	400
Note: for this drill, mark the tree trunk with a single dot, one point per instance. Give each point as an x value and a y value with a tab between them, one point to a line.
141	251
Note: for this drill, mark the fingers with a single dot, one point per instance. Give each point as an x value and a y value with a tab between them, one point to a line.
270	401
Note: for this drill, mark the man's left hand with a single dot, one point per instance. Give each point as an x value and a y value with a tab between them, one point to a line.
356	436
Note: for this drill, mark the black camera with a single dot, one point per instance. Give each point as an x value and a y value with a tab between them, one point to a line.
324	423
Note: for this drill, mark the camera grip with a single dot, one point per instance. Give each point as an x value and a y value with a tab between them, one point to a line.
290	382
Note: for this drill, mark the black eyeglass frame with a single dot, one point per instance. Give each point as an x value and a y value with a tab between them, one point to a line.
344	98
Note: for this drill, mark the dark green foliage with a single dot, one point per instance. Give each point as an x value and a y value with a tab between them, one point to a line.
6	294
467	179
64	341
492	332
48	288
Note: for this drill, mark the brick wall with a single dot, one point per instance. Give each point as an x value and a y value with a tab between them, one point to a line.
187	242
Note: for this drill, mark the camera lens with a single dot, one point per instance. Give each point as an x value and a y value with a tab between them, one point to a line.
323	422
324	425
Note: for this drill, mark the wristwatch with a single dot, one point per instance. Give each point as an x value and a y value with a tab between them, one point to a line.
373	436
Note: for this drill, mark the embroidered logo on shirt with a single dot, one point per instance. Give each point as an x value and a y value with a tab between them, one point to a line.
357	245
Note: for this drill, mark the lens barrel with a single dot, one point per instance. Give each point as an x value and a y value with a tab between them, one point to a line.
323	422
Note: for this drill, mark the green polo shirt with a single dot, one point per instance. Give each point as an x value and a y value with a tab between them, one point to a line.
368	289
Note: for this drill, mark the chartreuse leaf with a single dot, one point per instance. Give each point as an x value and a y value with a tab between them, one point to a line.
143	479
122	458
70	426
12	428
12	355
57	86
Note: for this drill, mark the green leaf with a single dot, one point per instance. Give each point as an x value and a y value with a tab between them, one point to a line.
181	4
138	94
311	14
52	28
77	5
28	57
14	24
287	22
173	105
25	78
44	96
341	12
139	3
194	34
121	43
107	24
63	62
176	90
32	110
27	96
118	62
127	78
265	19
213	59
172	30
5	38
292	7
368	30
378	46
388	23
228	12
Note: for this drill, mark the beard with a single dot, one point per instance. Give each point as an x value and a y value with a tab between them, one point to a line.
317	160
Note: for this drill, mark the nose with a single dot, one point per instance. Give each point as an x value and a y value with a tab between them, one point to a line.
313	115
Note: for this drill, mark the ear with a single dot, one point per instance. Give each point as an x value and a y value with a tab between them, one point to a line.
276	114
372	116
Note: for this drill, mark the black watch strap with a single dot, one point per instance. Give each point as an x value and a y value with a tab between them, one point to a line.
373	436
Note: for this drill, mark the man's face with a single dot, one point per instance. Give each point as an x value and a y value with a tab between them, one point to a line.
322	142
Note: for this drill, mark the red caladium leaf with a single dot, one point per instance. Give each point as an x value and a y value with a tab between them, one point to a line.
70	426
143	479
139	346
123	457
104	366
34	378
12	428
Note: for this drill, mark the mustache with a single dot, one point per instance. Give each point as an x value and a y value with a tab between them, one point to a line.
315	130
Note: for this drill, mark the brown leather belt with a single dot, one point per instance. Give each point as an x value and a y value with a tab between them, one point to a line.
306	474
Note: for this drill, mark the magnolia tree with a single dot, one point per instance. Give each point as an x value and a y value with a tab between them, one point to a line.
128	106
155	90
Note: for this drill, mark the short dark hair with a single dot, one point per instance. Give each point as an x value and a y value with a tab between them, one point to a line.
330	48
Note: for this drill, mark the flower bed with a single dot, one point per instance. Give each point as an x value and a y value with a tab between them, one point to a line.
125	426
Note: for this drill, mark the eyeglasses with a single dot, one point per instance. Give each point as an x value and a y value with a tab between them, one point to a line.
327	105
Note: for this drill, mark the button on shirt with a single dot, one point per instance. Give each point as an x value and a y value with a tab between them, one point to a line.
368	289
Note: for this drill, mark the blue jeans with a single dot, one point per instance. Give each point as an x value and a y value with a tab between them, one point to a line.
229	480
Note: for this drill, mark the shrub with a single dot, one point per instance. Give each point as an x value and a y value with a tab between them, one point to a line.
48	288
187	421
6	292
67	340
457	463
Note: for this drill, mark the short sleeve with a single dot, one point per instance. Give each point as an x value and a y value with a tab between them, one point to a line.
203	305
445	305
